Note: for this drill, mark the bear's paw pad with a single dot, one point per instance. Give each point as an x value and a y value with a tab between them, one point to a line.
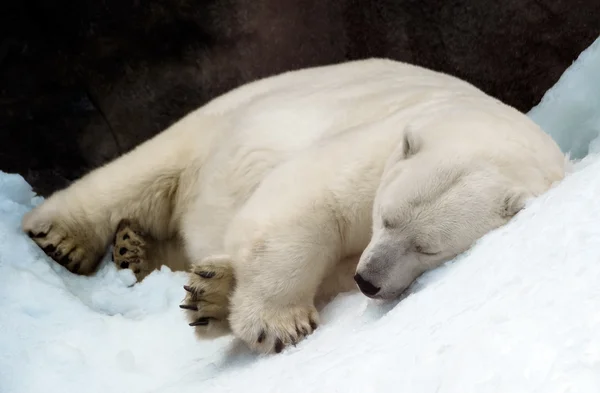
129	248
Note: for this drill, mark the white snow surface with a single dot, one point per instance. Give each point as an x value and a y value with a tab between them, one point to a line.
519	312
570	111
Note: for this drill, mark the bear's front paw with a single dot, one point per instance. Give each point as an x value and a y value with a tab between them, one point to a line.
271	329
207	300
130	248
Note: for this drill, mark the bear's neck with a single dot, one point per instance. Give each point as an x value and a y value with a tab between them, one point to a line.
355	184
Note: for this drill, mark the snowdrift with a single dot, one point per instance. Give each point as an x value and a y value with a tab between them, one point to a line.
520	312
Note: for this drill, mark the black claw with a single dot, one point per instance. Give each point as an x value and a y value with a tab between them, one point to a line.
65	260
57	254
193	291
261	336
76	267
206	274
200	322
313	324
278	345
49	248
38	235
189	307
122	251
293	340
124	265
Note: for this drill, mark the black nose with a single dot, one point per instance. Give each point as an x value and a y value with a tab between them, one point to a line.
365	287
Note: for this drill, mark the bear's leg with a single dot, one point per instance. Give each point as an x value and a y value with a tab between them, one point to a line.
207	296
140	252
76	225
211	282
278	271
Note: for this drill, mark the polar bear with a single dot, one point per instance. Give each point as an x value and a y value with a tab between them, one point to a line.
285	191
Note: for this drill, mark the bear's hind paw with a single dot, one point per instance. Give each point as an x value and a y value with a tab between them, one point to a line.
68	242
130	247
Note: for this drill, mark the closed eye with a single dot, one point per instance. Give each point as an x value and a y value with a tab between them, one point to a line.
387	223
420	250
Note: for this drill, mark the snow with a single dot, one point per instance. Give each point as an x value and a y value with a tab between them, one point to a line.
570	111
518	313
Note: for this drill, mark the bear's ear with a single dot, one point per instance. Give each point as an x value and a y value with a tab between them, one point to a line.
514	201
410	144
408	147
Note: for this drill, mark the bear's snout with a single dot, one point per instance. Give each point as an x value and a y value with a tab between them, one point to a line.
365	286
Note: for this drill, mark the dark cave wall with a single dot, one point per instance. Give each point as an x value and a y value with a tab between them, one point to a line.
84	81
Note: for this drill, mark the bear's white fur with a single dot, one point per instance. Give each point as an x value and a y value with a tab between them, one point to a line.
284	188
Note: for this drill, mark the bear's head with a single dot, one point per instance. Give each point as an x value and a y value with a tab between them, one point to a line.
431	206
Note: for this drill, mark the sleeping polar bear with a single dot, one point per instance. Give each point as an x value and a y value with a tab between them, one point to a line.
283	192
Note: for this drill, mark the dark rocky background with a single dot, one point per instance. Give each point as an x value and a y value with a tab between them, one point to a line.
82	81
